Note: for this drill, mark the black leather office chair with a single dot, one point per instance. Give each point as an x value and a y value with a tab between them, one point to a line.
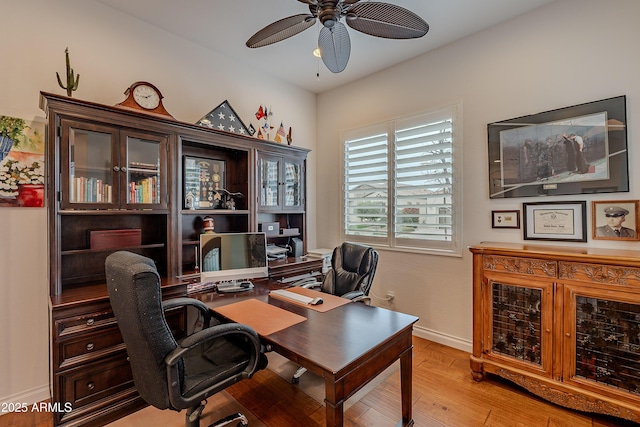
353	267
170	374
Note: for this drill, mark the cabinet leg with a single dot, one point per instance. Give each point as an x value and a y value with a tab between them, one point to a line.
477	369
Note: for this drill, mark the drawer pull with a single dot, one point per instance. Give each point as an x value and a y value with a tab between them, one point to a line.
91	386
90	322
90	346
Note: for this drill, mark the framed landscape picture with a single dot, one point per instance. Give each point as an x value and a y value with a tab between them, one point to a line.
574	150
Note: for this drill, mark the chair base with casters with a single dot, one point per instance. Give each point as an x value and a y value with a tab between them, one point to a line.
295	379
353	267
238	418
169	373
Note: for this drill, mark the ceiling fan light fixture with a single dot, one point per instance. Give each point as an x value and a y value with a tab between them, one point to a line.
374	18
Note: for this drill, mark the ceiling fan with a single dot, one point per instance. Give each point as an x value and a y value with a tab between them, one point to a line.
374	18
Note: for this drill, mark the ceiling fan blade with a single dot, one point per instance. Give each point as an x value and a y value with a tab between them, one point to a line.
335	47
386	20
281	30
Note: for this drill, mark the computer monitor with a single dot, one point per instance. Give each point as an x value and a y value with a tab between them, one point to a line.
233	256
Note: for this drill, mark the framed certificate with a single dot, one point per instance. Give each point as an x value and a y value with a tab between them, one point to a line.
559	221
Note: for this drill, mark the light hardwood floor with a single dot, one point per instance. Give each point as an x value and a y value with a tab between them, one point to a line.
444	394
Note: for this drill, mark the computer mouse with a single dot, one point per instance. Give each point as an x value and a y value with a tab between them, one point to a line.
316	301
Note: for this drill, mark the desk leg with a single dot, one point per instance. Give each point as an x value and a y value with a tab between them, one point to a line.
406	385
334	411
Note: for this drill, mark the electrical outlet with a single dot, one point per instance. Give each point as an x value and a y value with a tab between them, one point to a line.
390	296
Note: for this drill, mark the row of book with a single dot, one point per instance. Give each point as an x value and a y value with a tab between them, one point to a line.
144	191
90	190
94	190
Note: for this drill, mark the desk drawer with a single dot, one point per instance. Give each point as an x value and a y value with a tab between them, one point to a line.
86	322
87	347
94	384
98	342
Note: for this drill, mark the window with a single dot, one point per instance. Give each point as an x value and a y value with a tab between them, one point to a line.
401	184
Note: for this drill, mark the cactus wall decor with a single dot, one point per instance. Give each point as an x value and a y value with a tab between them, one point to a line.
72	81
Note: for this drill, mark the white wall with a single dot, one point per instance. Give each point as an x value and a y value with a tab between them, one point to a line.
109	51
566	53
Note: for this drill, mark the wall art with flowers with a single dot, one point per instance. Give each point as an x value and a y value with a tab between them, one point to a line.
21	162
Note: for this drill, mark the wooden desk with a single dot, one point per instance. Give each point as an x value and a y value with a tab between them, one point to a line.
347	346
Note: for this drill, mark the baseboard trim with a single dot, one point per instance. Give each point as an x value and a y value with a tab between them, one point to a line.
444	339
37	394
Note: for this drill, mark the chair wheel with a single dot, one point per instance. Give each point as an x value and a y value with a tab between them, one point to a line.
242	424
295	380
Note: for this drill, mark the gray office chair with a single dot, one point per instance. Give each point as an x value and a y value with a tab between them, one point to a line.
170	374
353	267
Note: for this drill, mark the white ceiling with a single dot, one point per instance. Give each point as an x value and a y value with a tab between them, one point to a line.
225	25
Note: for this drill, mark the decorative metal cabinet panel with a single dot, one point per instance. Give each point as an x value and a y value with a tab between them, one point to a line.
563	323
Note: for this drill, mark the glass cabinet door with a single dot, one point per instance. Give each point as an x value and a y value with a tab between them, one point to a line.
269	184
143	171
292	184
87	163
103	168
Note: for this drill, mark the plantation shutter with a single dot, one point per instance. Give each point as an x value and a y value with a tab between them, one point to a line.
366	183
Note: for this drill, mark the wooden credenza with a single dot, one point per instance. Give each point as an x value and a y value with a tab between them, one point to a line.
562	322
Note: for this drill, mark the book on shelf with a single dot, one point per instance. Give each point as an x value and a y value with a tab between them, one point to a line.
141	165
89	190
144	190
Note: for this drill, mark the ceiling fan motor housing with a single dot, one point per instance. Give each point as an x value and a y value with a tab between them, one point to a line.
329	13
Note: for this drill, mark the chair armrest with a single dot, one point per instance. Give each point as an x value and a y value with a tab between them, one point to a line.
212	333
183	302
357	296
307	282
173	365
353	295
312	285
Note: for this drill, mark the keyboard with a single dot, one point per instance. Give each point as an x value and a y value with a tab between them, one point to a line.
200	287
292	296
228	287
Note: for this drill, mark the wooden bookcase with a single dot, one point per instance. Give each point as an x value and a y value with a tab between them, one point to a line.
114	169
564	323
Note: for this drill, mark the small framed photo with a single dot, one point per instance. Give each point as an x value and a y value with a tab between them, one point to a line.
615	220
505	219
559	221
